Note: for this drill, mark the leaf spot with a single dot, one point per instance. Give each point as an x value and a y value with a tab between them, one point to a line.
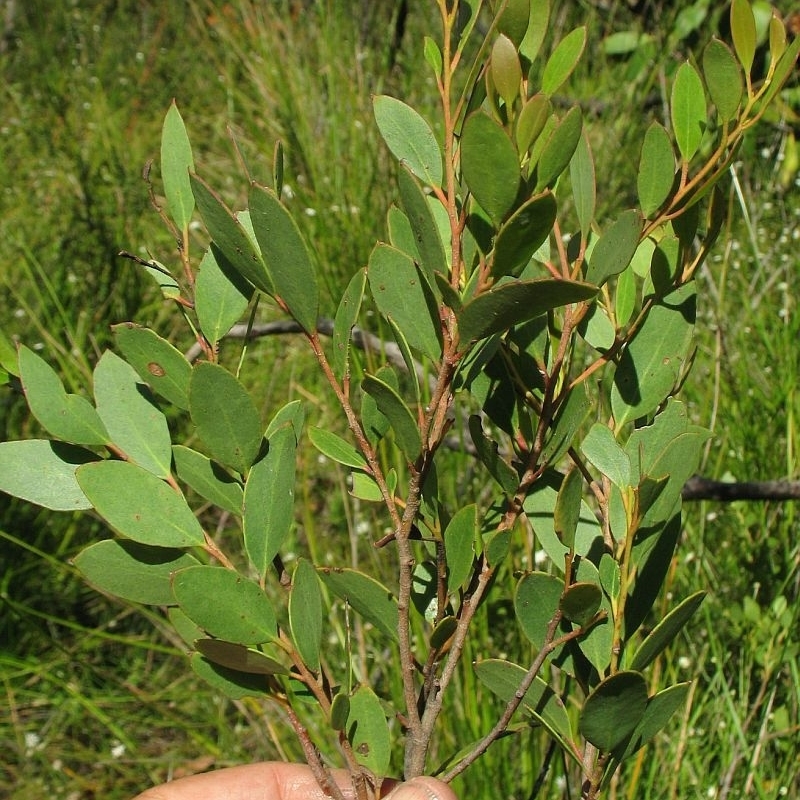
156	369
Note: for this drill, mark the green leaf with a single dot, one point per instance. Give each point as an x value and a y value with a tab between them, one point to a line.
487	450
221	295
689	116
665	631
344	322
305	613
610	578
513	22
286	255
567	423
139	505
375	423
43	472
238	657
505	68
131	416
365	595
269	500
512	303
563	60
292	414
557	152
504	678
625	297
596	328
581	170
538	25
614	709
490	165
69	417
743	31
368	731
536	600
723	78
231	237
340	711
132	571
567	512
443	632
615	248
656	169
156	361
211	481
231	683
653	361
240	611
596	644
409	137
176	164
459	546
603	450
402	421
777	38
226	418
783	70
523	234
433	55
402	293
580	602
336	448
531	121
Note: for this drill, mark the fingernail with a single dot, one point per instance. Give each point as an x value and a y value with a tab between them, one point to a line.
423	789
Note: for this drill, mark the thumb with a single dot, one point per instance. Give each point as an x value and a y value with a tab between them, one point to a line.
422	789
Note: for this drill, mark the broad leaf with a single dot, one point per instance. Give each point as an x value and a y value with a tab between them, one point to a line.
531	121
176	164
211	481
139	505
536	601
132	571
513	21
723	78
240	611
538	25
459	546
240	658
656	169
305	613
68	417
614	709
336	448
230	682
156	361
368	731
409	137
505	68
580	602
401	420
131	416
365	595
559	148
563	60
597	642
43	472
522	235
269	500
225	416
688	108
603	450
615	248
286	255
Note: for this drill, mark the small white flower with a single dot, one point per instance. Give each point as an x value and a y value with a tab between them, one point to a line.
310	212
684	662
117	750
32	742
540	558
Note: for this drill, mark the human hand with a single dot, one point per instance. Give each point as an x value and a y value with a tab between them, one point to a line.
274	780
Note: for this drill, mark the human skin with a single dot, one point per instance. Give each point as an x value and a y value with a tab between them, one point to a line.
278	781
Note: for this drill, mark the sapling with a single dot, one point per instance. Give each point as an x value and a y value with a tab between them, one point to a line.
516	328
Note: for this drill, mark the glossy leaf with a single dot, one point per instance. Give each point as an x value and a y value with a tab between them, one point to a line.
238	657
131	416
221	295
567	512
723	78
401	420
43	472
409	137
459	546
688	110
269	500
512	303
656	169
231	683
557	152
368	731
615	248
653	361
743	31
132	571
536	601
240	612
665	631
231	237
614	709
139	505
305	613
504	678
567	423
365	595
286	255
777	37
208	479
580	602
563	60
443	632
490	165
522	235
506	70
68	417
337	449
488	452
603	450
226	418
156	361
176	164
401	292
583	184
344	322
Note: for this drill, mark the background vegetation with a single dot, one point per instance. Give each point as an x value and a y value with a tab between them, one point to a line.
100	702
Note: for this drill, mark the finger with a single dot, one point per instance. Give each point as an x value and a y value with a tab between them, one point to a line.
422	789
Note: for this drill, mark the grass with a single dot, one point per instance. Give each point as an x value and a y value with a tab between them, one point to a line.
100	701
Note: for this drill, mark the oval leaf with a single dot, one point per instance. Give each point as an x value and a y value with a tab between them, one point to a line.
563	60
614	709
723	78
603	450
176	164
531	121
688	110
656	169
238	657
459	545
559	148
581	602
743	31
336	448
615	248
506	70
211	481
368	731
523	234
536	600
229	682
401	420
581	171
139	505
305	613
